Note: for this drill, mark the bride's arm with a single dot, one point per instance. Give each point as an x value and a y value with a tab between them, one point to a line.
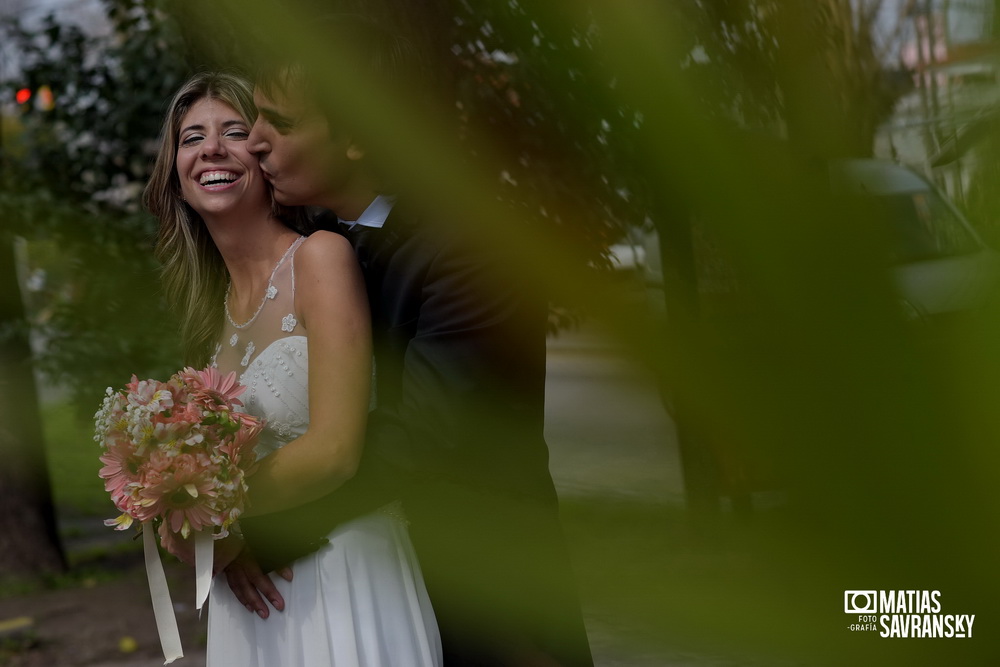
331	303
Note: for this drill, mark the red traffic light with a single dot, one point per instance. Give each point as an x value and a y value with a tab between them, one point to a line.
23	95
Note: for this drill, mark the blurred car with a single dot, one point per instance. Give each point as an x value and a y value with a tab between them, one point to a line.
939	263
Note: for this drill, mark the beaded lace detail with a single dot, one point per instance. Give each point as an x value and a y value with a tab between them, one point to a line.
274	318
277	382
269	293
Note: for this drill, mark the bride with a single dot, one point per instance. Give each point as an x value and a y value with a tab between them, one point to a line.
288	313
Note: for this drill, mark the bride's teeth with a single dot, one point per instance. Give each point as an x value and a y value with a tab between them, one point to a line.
217	176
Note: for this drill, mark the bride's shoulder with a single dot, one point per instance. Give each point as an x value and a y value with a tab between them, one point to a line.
323	248
327	270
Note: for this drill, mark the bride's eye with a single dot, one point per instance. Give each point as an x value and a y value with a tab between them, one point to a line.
190	140
237	134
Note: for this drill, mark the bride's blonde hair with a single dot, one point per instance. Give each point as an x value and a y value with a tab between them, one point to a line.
193	273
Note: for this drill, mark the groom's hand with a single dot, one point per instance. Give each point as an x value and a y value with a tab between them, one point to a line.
225	552
252	586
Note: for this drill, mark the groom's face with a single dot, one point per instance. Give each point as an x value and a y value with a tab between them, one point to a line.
298	155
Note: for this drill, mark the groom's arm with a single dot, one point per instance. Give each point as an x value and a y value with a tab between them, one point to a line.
280	538
275	541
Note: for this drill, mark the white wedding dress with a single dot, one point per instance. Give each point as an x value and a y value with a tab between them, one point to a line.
359	601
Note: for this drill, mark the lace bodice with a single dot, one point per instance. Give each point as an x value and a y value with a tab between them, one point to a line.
270	354
277	382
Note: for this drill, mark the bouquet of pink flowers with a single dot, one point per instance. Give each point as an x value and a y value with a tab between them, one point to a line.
177	452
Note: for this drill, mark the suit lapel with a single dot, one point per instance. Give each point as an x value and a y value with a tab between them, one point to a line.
373	246
364	240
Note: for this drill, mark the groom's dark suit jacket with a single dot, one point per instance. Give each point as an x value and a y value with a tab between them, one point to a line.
457	434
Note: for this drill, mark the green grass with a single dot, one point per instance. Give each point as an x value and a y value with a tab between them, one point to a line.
79	576
12	647
73	463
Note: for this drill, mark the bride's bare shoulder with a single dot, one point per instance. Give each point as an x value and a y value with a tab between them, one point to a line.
325	248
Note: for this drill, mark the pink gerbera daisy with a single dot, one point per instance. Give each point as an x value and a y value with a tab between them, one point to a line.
121	469
182	494
212	389
237	448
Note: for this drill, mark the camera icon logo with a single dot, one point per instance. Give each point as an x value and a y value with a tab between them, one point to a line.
860	602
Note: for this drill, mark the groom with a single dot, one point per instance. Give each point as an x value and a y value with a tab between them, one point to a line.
459	390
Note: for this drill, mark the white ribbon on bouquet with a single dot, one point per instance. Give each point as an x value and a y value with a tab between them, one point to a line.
163	607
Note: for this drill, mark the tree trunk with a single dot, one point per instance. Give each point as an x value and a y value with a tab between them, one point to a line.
680	292
29	542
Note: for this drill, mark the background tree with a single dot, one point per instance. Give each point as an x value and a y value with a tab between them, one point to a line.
71	173
28	521
787	67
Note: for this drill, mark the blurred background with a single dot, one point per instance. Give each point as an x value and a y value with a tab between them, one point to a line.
769	232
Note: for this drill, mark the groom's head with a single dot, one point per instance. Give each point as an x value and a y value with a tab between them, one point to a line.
311	134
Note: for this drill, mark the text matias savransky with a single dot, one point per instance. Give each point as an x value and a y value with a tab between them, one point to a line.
907	613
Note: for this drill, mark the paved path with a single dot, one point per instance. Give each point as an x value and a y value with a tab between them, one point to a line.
610	439
607	431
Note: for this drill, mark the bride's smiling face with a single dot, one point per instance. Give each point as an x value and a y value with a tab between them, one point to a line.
217	174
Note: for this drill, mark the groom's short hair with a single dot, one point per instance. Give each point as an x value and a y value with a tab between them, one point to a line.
370	50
